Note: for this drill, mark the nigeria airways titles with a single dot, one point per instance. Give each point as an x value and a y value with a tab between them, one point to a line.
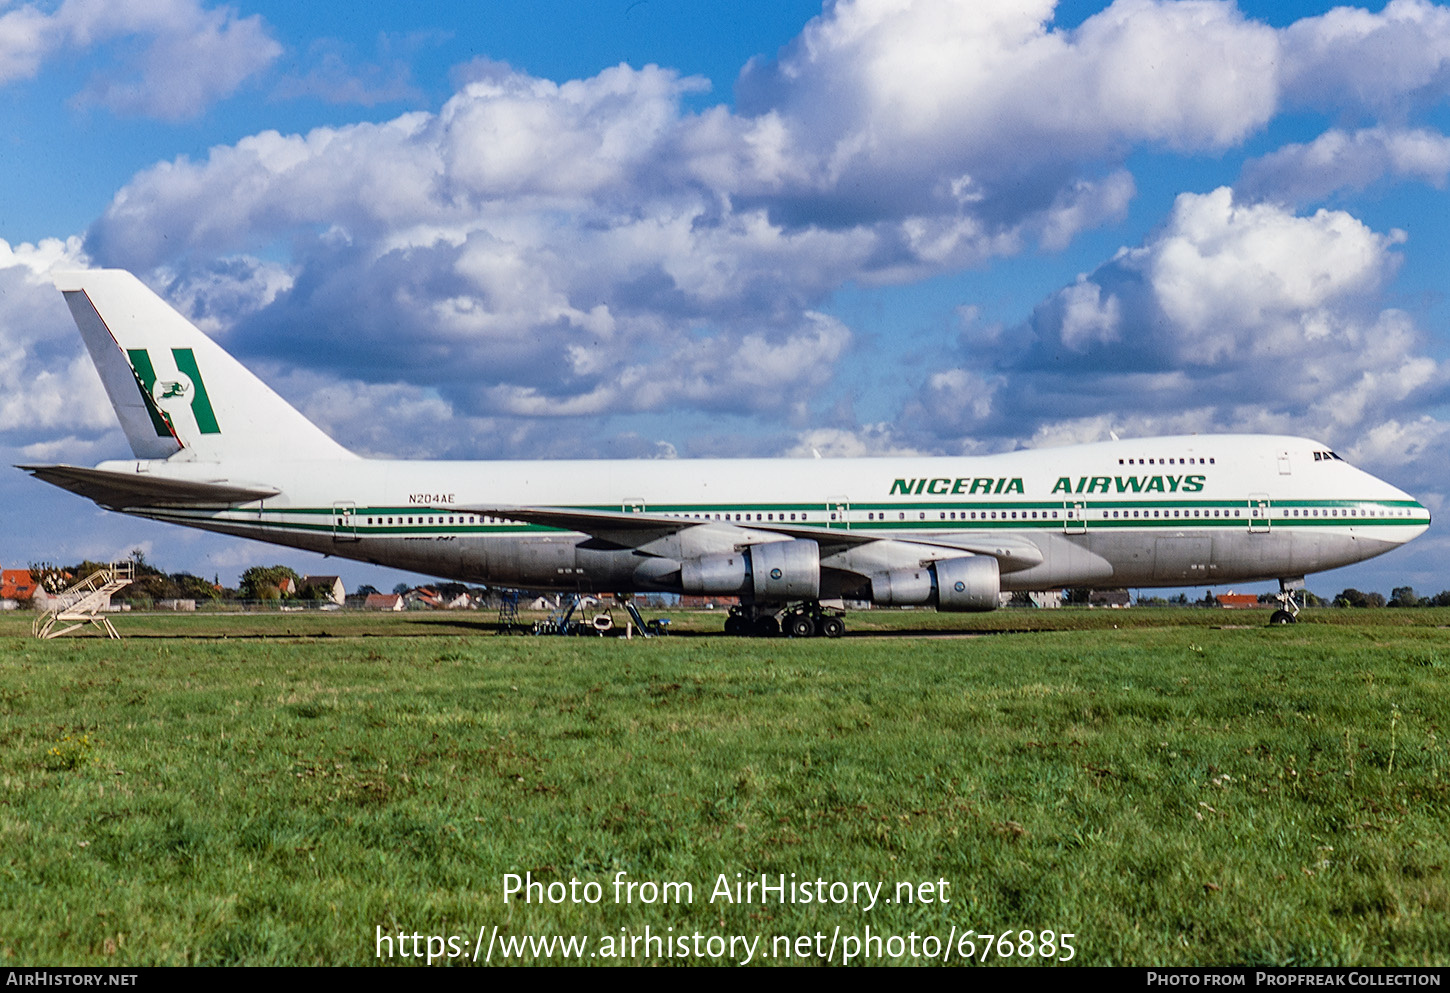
987	485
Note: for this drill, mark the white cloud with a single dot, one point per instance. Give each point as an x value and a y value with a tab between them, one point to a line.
26	35
893	95
554	250
1342	161
1418	442
190	56
49	390
1223	284
1088	317
1231	317
841	443
1381	63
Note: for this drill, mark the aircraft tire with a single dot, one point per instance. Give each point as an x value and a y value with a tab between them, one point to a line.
800	626
1280	617
735	626
766	627
833	627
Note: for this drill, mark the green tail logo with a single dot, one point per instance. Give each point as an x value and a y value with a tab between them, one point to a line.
154	393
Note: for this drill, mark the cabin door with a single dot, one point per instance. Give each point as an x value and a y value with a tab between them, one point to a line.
1074	514
344	521
1258	512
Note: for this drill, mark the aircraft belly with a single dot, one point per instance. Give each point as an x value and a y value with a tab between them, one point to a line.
430	555
1331	549
1253	555
1182	559
535	561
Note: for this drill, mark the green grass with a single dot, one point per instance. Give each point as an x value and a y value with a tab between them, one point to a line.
1174	787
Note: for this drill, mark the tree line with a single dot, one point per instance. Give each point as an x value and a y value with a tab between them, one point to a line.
259	583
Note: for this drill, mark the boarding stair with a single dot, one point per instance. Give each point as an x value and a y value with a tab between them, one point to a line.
85	602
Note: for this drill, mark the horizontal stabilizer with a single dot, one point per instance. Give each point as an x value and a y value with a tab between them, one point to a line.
122	490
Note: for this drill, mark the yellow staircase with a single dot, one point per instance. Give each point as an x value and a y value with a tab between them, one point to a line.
84	602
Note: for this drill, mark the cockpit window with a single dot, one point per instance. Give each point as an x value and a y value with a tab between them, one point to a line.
1326	456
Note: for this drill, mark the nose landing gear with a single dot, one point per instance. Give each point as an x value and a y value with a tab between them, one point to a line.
1288	613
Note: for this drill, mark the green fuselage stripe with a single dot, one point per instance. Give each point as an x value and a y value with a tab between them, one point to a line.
993	516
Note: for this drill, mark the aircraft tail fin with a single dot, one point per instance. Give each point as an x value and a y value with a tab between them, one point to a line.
174	389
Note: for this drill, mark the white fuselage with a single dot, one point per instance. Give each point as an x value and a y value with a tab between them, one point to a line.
1177	511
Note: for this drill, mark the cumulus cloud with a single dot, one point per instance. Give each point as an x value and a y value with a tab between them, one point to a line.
1231	317
50	394
538	249
1385	64
1343	161
981	110
1221	282
187	56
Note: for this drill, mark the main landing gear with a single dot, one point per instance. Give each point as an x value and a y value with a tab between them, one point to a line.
800	620
1288	612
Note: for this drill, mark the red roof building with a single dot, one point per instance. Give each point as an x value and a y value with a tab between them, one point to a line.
1237	601
17	584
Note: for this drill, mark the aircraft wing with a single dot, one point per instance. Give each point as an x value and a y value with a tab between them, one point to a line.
629	529
122	490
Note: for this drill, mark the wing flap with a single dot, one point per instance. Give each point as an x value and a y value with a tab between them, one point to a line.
123	490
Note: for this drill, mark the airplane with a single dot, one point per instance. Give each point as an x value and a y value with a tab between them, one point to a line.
793	539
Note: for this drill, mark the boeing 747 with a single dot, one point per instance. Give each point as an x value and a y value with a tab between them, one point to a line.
215	448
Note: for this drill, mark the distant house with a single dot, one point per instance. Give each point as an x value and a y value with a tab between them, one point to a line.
18	588
423	596
383	601
18	585
286	586
1237	601
1109	598
329	587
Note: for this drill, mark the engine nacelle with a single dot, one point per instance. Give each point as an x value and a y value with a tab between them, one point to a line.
786	570
960	584
771	571
968	584
903	587
724	574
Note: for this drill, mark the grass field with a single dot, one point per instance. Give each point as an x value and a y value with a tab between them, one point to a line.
1170	786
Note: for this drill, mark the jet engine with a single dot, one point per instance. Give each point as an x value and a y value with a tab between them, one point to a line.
959	584
771	571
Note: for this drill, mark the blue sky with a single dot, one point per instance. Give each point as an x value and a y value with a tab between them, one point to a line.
529	228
